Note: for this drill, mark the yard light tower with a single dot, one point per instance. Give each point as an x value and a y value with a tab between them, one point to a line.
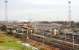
69	12
68	20
6	10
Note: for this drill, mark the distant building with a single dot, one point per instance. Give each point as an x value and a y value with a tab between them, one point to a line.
45	26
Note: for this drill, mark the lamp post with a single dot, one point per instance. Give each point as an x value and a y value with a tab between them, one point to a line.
65	36
31	31
73	38
66	31
27	33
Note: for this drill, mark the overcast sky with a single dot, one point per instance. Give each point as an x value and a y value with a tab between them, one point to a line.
38	10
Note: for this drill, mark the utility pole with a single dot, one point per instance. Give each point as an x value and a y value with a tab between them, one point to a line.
6	10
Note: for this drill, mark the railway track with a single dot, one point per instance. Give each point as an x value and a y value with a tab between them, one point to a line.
44	46
63	45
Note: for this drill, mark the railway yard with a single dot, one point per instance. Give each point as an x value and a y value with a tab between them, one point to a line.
45	40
